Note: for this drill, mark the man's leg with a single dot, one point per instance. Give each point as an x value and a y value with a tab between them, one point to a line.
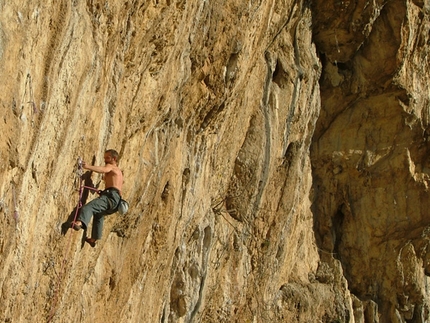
96	206
98	220
97	229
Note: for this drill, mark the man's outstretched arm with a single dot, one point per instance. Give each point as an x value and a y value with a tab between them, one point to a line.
98	169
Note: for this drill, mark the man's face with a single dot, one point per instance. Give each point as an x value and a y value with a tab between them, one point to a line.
108	159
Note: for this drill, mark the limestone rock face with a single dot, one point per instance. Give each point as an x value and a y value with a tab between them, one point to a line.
274	154
370	153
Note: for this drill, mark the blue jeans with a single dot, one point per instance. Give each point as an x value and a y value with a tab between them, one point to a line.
105	204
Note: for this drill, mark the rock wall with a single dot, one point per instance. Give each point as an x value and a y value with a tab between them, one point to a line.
272	175
370	153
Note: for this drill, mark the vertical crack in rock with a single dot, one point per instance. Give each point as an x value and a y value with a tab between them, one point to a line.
297	86
206	245
266	140
57	27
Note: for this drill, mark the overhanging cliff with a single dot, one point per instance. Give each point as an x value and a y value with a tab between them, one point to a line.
370	152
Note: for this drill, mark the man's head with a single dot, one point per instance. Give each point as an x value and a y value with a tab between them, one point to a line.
111	156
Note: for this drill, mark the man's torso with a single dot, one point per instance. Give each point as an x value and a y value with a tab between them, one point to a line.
114	178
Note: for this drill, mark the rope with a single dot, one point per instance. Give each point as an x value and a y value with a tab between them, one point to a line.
54	306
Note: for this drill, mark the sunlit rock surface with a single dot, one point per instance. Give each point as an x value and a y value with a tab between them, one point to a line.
275	158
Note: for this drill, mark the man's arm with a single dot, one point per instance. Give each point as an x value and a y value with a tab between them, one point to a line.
98	169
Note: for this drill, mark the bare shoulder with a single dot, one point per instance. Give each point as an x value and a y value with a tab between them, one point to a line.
116	170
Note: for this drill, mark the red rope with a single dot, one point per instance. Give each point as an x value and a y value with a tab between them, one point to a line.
68	248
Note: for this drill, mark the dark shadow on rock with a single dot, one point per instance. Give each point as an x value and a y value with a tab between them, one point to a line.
84	236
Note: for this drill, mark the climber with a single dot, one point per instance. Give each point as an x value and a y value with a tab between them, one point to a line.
108	201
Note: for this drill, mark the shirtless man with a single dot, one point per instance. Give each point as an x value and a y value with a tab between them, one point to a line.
108	201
